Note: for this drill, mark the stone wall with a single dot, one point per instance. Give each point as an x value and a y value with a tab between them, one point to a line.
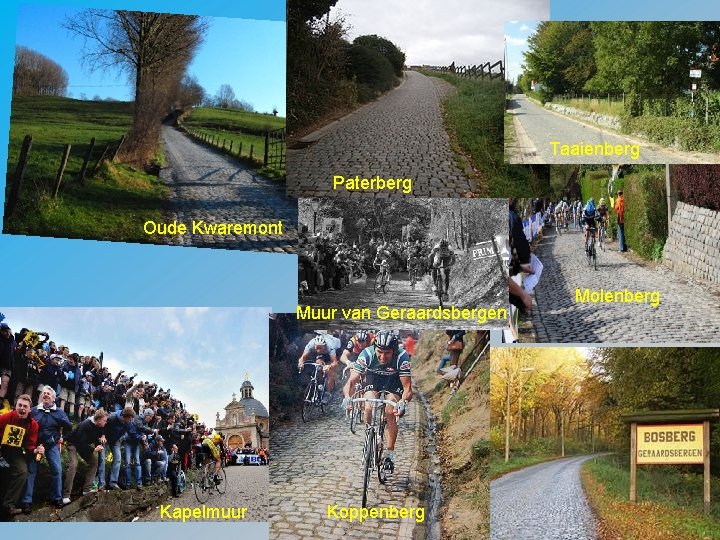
104	506
693	247
604	120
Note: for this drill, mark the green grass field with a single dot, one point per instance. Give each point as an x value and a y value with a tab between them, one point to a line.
474	120
669	500
112	205
239	128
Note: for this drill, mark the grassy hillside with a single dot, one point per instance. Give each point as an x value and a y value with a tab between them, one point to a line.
238	127
111	206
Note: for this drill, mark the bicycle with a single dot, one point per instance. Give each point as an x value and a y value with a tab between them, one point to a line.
207	484
590	249
374	442
383	277
440	283
602	234
314	392
356	413
414	275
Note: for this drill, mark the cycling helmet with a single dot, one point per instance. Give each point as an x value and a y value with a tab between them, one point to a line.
602	201
386	340
320	340
362	335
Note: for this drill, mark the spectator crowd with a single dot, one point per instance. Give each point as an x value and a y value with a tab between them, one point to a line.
60	407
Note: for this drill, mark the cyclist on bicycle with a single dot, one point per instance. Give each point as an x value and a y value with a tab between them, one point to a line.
387	368
211	447
589	219
603	211
441	256
382	260
560	216
324	354
355	345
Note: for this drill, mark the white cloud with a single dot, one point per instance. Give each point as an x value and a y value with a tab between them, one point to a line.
524	28
515	41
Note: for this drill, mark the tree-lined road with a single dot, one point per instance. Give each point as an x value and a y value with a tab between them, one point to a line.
211	186
536	127
545	501
687	313
401	135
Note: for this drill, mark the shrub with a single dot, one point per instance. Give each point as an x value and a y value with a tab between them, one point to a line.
371	70
698	185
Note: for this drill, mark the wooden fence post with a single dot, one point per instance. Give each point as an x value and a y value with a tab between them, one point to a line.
223	143
102	156
83	170
61	170
265	153
251	151
240	150
17	180
115	153
231	143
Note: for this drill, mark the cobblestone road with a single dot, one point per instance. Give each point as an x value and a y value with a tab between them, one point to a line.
539	126
247	488
543	502
399	135
688	313
208	185
319	463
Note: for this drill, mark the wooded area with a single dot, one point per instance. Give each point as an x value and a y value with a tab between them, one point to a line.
37	75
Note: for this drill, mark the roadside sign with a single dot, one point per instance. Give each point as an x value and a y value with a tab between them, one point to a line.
695	73
664	444
483	250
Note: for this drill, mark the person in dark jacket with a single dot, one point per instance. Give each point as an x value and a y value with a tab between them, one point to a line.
69	383
52	422
86	440
116	428
138	430
7	351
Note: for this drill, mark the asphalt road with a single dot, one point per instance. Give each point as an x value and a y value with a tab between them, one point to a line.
211	186
536	127
543	502
401	135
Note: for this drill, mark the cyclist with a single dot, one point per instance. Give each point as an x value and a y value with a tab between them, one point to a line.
355	345
387	368
441	255
560	217
382	259
323	353
211	447
589	219
603	212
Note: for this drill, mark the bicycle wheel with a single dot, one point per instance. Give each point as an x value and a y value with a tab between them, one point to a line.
368	462
355	417
202	486
439	287
222	486
308	402
594	255
378	283
181	481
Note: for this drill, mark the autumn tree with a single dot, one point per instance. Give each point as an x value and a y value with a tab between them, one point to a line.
154	50
37	75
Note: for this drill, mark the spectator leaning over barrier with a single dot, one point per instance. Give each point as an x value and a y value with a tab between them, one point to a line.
86	440
620	211
117	426
52	422
18	442
7	350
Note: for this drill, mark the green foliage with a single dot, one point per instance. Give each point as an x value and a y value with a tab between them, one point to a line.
474	119
372	71
684	133
233	120
453	406
481	450
386	48
645	206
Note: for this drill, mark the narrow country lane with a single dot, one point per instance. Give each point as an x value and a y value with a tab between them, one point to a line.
401	135
536	127
687	313
210	186
543	502
319	464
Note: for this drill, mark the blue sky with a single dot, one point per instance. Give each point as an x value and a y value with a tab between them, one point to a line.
201	354
516	34
247	54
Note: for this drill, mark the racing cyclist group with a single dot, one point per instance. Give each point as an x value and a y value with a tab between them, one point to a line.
378	358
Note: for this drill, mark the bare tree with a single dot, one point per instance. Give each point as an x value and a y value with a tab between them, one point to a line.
37	75
225	97
154	50
190	94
